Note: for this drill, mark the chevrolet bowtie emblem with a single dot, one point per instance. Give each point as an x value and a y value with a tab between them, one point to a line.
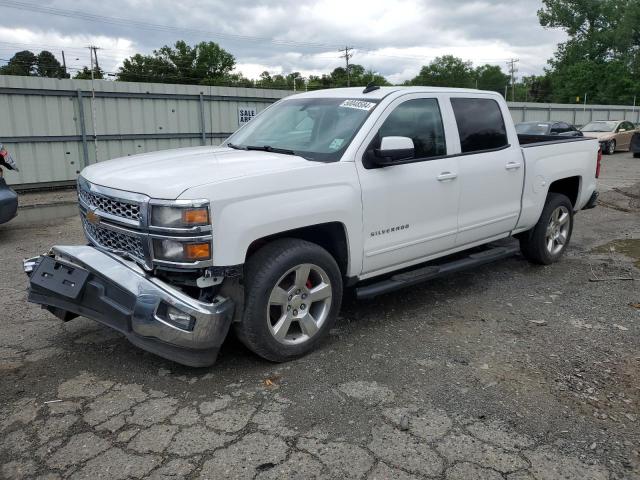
93	218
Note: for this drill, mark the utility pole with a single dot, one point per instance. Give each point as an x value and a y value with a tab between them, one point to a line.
93	54
64	64
512	71
347	55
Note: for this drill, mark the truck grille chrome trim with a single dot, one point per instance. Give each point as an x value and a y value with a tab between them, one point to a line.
118	221
120	242
117	208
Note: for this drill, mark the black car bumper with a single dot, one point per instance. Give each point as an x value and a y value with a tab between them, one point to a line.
8	202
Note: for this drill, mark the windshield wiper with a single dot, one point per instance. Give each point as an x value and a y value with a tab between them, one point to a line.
236	147
269	148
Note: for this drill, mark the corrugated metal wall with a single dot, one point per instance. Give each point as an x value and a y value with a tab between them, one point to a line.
54	127
575	114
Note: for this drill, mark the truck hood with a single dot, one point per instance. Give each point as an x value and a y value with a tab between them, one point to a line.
167	174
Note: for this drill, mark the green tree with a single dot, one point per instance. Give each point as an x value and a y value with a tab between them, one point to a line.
446	71
234	80
537	88
147	68
47	65
602	54
85	73
358	77
204	63
27	63
491	77
22	63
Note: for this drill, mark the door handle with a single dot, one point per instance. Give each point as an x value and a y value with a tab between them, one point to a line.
512	165
444	176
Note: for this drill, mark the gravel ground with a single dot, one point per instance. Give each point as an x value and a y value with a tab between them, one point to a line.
509	372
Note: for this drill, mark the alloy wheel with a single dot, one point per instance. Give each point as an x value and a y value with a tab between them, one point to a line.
299	304
558	230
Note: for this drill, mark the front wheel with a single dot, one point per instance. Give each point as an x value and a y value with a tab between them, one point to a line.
293	292
611	147
547	241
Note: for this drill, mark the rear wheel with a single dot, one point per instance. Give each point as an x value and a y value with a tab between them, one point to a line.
547	241
293	292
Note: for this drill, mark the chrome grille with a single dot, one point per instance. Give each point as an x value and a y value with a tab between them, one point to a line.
117	208
111	240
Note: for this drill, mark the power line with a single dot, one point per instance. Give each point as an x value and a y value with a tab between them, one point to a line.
150	26
78	14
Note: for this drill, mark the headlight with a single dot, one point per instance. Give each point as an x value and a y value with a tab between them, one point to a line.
179	217
173	250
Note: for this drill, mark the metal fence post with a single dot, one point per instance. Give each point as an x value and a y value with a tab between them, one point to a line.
203	138
83	131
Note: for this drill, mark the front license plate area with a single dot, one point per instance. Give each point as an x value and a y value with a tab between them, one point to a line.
59	277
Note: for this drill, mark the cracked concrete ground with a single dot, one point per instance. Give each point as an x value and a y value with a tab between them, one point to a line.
507	372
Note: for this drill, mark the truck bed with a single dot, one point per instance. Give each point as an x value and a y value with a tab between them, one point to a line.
527	141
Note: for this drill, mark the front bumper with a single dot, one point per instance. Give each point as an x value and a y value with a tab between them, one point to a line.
119	294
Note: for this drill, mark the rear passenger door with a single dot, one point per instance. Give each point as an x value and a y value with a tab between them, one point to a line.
491	170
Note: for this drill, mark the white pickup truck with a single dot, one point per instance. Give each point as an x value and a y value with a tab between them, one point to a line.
374	189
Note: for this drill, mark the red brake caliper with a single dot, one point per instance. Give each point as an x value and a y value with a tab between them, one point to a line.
309	284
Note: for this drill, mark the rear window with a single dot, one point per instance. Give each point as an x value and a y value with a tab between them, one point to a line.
532	128
480	124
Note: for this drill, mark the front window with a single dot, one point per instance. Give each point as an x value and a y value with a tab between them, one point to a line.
317	129
420	120
603	126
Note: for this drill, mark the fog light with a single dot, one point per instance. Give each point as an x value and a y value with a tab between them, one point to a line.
175	317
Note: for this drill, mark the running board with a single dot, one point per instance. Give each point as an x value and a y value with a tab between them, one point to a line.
430	272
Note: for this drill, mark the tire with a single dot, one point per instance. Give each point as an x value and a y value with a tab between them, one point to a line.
636	155
611	147
546	242
278	311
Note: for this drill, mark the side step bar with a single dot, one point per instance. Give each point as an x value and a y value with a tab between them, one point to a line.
429	272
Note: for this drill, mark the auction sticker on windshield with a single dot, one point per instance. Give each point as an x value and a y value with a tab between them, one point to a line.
359	104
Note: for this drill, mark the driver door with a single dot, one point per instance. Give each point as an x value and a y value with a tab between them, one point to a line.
410	210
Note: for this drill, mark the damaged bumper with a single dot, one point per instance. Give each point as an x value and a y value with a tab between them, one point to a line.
81	280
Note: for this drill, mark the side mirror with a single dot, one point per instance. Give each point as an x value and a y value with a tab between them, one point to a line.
622	130
393	150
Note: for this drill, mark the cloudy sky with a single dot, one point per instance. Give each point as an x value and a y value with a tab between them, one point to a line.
394	38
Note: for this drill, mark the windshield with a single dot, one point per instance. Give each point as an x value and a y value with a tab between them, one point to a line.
317	129
599	127
532	128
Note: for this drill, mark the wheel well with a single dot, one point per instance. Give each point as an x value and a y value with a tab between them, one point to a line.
330	236
567	186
